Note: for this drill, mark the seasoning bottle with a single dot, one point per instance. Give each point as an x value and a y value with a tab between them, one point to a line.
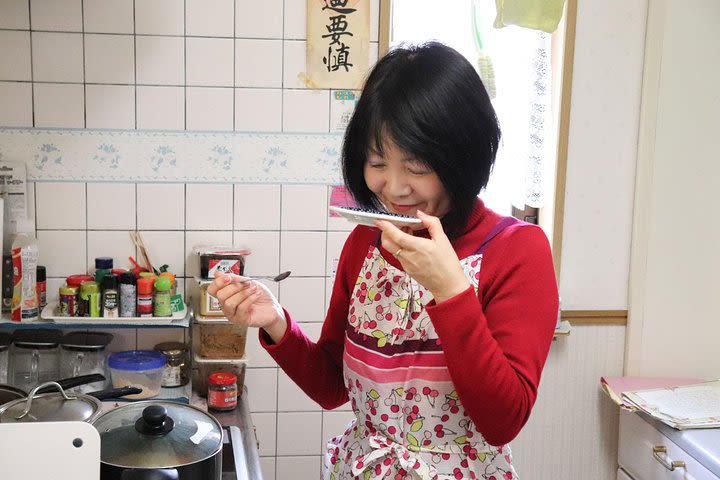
175	373
162	307
41	286
25	252
103	266
222	391
128	295
110	296
145	296
68	301
89	304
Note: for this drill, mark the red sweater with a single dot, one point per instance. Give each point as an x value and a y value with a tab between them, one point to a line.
505	330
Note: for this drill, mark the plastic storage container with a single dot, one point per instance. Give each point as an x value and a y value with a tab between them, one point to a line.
219	339
137	368
203	367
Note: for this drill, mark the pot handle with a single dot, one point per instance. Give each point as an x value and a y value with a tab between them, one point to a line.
150	474
34	392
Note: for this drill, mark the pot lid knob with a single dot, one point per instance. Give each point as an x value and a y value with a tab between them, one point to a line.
154	421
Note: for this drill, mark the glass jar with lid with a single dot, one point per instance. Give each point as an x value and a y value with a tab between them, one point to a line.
176	370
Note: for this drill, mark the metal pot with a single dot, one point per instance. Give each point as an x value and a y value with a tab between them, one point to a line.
159	440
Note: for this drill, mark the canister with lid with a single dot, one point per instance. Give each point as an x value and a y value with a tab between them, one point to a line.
83	353
176	371
5	340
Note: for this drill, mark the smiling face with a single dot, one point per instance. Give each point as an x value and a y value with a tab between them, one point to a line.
404	184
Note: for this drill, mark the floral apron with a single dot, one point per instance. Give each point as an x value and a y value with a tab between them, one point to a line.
410	423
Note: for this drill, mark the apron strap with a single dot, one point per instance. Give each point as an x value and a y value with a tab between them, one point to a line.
501	225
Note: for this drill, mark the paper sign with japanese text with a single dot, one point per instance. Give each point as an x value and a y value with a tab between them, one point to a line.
338	43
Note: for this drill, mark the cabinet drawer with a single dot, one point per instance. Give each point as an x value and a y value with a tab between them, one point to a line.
635	453
621	475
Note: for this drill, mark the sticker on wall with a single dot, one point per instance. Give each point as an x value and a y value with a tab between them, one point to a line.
156	156
342	106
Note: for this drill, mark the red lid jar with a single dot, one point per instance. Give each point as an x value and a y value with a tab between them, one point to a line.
222	391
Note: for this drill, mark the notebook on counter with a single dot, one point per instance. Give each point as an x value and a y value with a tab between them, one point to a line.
681	403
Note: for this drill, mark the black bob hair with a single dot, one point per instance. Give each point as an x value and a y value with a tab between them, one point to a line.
430	102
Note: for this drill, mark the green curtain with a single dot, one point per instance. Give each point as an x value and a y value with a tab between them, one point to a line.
536	14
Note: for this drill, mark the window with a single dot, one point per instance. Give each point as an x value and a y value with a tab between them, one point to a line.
530	70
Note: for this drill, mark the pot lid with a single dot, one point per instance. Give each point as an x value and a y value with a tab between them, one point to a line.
157	434
50	407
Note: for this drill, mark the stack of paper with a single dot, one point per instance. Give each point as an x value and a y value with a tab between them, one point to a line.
679	403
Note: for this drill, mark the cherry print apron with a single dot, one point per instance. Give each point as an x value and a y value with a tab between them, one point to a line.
410	423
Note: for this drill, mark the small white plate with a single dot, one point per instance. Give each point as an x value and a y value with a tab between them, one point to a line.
366	217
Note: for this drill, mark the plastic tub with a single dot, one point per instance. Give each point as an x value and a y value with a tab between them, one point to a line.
219	339
137	368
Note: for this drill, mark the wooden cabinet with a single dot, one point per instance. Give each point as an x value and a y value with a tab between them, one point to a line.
644	453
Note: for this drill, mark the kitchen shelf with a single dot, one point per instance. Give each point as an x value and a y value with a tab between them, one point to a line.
179	319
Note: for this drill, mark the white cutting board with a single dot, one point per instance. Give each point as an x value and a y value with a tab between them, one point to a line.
48	450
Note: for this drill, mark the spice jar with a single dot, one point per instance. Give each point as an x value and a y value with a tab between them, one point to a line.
222	391
175	373
144	296
162	305
68	301
41	286
128	295
89	302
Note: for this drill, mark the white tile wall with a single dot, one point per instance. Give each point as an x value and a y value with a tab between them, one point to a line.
195	65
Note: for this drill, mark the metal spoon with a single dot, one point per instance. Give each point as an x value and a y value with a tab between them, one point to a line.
277	278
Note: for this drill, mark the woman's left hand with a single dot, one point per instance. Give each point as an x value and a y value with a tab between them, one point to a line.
432	262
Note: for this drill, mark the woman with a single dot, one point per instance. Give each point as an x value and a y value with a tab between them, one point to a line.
440	358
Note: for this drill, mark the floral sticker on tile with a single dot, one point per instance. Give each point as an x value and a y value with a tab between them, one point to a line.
221	157
108	153
49	153
275	159
97	155
163	156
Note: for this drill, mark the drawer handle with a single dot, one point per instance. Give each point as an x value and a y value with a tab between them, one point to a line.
657	450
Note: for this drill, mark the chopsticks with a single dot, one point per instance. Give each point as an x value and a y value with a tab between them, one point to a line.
138	241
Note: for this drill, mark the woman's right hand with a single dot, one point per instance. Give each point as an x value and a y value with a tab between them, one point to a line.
250	303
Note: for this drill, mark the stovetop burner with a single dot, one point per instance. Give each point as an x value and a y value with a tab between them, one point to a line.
233	456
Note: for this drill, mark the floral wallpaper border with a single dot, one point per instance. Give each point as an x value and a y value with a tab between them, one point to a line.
157	156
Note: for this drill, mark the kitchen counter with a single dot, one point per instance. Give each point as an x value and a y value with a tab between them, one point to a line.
239	417
703	444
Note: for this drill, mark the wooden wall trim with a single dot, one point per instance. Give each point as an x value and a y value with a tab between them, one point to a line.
595	317
563	131
384	28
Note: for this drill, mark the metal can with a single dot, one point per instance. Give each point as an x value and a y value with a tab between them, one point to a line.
68	301
222	391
